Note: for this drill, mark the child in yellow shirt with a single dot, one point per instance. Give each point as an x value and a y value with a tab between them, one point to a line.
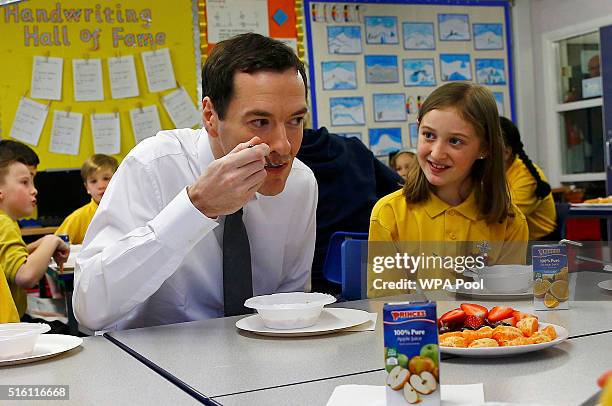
23	264
8	311
458	192
528	186
96	173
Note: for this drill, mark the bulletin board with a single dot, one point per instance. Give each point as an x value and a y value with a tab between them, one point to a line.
94	32
373	63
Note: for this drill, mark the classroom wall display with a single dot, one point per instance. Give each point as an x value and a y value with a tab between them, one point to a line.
78	68
358	49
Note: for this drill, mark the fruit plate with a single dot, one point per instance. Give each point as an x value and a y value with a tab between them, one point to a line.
47	346
332	319
492	352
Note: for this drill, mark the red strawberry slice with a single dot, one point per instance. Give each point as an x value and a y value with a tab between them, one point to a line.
473	322
455	316
499	313
472	309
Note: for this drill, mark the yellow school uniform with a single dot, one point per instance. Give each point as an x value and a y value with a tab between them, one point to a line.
540	213
440	224
76	224
13	254
8	311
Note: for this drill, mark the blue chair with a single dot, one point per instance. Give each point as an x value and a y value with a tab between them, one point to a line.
332	264
354	260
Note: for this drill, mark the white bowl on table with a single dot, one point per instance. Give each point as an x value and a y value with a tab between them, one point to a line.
19	339
505	278
285	311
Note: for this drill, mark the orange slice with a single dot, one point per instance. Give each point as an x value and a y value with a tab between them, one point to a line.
550	301
540	287
563	275
560	290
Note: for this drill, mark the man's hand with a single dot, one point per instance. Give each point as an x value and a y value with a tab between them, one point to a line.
231	181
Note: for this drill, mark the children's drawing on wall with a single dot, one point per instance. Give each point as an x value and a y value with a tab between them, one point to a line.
419	72
381	69
454	27
419	36
339	75
344	39
381	30
413	130
455	67
490	72
389	107
499	100
384	141
352	135
488	36
347	111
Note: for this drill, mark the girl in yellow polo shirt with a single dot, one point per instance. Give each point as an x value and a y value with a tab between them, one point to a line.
8	311
528	186
458	191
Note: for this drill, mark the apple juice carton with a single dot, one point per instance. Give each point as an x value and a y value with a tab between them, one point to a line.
550	277
412	357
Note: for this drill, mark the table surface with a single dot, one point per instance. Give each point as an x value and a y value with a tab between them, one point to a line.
38	230
242	361
98	373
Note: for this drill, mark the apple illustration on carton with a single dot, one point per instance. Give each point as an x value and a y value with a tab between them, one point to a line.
431	351
418	364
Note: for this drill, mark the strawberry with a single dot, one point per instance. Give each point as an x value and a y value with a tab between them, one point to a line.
499	313
601	381
455	316
472	309
473	322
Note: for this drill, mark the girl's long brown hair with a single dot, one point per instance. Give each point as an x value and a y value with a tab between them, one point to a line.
476	105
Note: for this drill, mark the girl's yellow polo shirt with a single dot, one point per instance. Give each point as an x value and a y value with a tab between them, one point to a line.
434	226
13	254
76	224
540	213
8	311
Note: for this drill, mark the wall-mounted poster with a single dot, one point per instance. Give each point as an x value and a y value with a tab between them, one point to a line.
381	30
413	129
419	72
347	111
490	71
339	75
499	100
419	36
381	69
384	141
344	39
390	107
455	67
454	27
488	36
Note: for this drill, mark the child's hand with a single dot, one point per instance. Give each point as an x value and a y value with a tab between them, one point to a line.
62	251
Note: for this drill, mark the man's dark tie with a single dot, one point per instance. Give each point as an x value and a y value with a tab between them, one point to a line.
237	275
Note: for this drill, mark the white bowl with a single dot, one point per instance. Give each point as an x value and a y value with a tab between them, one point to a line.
19	339
505	278
285	311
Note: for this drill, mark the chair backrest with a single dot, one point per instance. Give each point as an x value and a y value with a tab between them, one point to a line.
562	214
332	264
354	260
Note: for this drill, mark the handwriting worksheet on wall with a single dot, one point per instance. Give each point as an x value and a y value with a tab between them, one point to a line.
181	109
87	79
158	70
145	122
47	78
66	132
106	131
29	121
122	76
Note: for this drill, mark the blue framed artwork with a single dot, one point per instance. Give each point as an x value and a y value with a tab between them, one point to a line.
454	27
384	141
490	72
389	107
418	36
413	130
352	135
455	67
339	75
499	100
488	36
381	69
344	39
347	111
419	72
381	30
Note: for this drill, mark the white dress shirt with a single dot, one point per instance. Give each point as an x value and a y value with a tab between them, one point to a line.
150	257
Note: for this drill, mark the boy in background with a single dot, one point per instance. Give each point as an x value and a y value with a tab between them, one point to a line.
24	265
96	172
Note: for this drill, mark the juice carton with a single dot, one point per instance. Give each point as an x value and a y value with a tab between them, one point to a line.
412	356
551	287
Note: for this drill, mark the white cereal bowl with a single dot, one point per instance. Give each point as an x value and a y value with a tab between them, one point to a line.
19	339
284	311
506	278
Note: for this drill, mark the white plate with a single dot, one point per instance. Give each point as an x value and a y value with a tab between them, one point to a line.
593	205
490	295
491	352
607	285
331	320
47	346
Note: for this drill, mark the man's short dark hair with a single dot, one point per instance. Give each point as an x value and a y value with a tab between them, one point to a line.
26	154
247	53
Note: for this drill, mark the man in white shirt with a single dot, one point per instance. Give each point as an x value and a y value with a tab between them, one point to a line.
153	253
